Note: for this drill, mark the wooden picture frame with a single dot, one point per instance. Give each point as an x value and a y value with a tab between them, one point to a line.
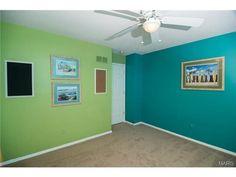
100	81
66	93
204	74
64	67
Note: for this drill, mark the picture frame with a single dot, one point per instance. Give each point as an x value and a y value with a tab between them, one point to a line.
64	67
19	79
204	74
100	81
66	94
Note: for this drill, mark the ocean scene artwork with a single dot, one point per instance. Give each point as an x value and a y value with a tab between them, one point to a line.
64	68
64	94
68	93
202	74
207	74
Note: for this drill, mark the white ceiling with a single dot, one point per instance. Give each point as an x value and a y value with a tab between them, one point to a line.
94	27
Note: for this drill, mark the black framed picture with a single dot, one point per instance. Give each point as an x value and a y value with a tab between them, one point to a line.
19	79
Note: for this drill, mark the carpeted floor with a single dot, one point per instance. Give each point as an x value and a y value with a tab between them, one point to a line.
132	146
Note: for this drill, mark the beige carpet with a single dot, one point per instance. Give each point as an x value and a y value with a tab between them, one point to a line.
132	146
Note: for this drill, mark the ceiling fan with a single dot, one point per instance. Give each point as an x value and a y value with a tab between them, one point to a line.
149	22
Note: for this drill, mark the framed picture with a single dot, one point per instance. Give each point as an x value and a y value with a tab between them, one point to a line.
19	79
66	94
207	74
100	79
65	68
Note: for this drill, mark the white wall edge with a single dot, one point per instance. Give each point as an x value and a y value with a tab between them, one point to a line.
190	139
53	149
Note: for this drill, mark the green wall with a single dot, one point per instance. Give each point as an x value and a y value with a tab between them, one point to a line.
31	124
207	116
118	58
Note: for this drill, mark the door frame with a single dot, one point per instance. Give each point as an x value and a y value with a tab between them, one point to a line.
124	78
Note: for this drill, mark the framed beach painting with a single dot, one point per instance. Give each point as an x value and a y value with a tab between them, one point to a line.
206	74
66	94
65	68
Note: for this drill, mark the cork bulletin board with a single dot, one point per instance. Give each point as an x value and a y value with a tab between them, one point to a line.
100	81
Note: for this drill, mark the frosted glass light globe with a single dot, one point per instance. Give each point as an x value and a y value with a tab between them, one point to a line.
151	25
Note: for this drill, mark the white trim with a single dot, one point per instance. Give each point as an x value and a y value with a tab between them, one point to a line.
95	79
124	90
190	139
133	124
54	148
6	85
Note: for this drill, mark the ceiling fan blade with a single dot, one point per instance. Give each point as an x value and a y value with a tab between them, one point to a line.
123	32
128	12
177	27
137	32
183	21
147	39
115	14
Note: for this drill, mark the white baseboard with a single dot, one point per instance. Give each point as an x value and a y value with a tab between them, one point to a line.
134	124
53	149
190	139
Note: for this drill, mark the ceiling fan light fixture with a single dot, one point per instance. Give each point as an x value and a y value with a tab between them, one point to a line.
151	25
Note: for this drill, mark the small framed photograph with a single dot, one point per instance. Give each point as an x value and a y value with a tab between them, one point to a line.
65	68
66	94
100	81
207	74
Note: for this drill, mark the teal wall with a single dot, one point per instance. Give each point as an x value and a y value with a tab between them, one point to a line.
133	91
208	116
31	124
